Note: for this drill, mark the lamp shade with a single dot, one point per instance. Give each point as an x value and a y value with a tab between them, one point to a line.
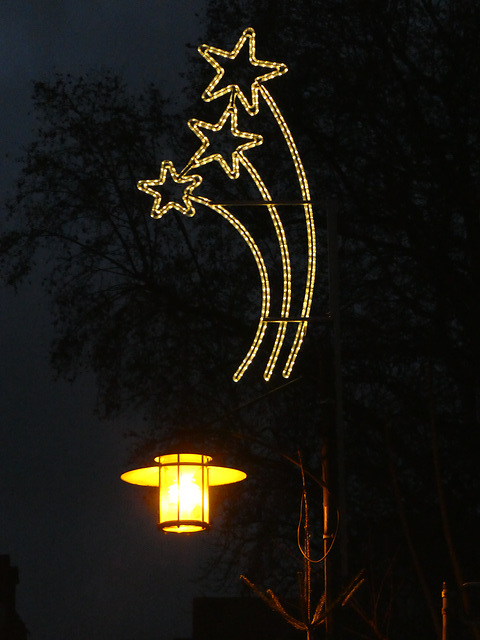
184	480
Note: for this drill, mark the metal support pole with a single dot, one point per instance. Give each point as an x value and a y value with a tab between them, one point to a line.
333	464
444	612
339	427
327	538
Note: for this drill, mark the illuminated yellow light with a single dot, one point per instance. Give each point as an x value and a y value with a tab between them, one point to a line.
274	69
286	269
183	496
184	480
310	225
267	71
187	491
199	159
160	208
262	270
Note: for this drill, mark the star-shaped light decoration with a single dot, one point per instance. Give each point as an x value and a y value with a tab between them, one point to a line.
242	65
199	159
271	70
162	204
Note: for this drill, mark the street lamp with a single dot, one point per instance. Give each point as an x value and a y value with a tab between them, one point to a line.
176	476
184	480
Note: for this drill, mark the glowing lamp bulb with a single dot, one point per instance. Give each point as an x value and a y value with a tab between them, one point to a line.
186	491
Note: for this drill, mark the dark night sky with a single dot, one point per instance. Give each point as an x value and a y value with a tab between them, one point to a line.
92	564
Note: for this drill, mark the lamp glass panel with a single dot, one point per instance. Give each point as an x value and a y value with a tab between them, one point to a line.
184	492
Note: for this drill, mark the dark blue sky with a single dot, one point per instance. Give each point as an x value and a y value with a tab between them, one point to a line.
92	564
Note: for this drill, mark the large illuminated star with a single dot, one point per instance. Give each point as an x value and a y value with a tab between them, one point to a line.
272	70
162	204
199	158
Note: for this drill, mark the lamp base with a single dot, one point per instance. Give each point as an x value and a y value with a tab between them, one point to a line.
183	526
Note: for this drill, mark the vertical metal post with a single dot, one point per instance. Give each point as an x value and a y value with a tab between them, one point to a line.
444	612
339	427
327	538
333	456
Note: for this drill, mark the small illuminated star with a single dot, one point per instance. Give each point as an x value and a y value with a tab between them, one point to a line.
168	171
199	159
274	69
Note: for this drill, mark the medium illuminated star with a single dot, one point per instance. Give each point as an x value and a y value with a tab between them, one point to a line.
162	204
199	159
271	70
